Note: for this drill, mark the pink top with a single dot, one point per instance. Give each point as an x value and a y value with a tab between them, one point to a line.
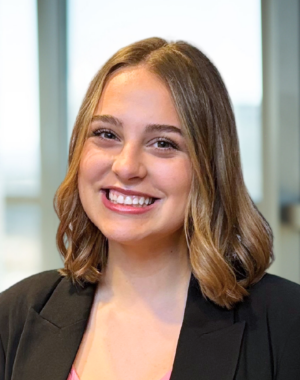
73	375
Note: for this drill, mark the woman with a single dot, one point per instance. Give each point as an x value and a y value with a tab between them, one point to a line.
164	251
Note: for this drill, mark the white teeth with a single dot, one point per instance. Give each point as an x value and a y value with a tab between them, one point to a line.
134	200
128	201
120	199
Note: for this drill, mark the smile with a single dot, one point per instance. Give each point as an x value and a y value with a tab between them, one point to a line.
132	204
131	200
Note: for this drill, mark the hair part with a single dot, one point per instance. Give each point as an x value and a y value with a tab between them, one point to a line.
230	243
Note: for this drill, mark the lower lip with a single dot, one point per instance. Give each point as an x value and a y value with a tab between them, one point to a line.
126	209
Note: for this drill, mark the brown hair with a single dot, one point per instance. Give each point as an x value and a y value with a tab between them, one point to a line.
229	241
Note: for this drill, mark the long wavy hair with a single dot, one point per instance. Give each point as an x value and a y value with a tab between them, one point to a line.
230	244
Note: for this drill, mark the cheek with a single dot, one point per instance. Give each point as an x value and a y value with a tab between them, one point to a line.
176	178
93	165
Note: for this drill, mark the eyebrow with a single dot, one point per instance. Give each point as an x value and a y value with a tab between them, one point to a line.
149	128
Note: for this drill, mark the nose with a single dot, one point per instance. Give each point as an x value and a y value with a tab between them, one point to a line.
128	164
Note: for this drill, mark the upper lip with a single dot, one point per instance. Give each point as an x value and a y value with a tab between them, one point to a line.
129	192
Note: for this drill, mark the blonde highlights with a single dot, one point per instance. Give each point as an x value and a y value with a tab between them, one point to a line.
229	241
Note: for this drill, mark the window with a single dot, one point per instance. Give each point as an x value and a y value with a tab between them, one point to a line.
19	142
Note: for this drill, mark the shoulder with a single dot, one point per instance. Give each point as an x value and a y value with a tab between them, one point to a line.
272	314
33	291
277	294
273	308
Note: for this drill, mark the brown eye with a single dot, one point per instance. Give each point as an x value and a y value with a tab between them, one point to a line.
164	144
104	134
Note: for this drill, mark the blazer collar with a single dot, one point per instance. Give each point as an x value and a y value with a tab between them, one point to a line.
208	346
209	342
51	338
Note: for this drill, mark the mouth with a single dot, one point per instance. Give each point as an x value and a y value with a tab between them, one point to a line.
135	201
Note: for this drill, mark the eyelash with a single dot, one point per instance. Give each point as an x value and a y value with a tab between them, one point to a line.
98	132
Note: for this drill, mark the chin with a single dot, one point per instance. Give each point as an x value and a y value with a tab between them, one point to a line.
129	240
123	236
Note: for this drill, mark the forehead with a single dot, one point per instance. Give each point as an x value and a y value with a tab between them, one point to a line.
135	76
138	93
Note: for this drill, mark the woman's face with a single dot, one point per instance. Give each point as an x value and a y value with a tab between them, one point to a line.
135	151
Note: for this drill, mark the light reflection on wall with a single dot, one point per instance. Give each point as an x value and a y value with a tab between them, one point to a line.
19	108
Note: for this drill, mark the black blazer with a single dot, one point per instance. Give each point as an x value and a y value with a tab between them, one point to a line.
43	318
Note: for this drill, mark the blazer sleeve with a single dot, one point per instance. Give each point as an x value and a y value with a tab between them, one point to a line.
289	363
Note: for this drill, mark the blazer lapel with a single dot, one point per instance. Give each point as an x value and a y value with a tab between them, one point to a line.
208	346
51	338
209	341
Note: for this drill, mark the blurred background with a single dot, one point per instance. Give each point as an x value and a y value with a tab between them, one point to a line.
49	52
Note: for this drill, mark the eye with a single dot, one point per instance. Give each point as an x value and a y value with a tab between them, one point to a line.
104	134
166	144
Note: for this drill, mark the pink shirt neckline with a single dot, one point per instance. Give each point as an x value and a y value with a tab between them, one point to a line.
73	375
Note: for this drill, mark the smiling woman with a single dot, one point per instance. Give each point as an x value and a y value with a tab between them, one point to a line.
164	251
117	141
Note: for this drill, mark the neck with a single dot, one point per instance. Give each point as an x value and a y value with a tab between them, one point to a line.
149	275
